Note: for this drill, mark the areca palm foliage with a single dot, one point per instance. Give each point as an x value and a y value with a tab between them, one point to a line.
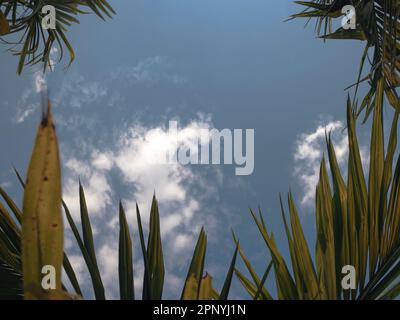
357	224
24	251
378	25
21	27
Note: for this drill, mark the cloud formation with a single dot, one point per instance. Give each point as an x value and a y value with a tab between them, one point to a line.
309	149
24	108
107	146
132	159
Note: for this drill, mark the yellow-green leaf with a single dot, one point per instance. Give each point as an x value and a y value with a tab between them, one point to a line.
42	225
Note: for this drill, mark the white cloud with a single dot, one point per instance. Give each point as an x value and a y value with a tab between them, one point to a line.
77	91
25	109
308	153
132	157
136	158
149	71
108	265
40	82
53	60
102	161
183	241
79	265
95	182
5	184
123	167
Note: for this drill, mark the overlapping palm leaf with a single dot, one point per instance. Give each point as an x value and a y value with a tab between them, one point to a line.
43	233
378	24
21	22
357	224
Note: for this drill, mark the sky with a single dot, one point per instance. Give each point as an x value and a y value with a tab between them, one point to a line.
205	64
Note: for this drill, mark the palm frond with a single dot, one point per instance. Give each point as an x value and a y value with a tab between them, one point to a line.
358	224
21	22
11	283
378	24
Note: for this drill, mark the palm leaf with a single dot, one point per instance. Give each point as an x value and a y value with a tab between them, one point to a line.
155	254
24	19
195	272
378	24
125	266
42	227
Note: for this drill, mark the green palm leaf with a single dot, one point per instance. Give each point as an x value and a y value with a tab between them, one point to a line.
125	265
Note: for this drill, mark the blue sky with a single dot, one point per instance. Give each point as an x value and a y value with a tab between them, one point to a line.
222	64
